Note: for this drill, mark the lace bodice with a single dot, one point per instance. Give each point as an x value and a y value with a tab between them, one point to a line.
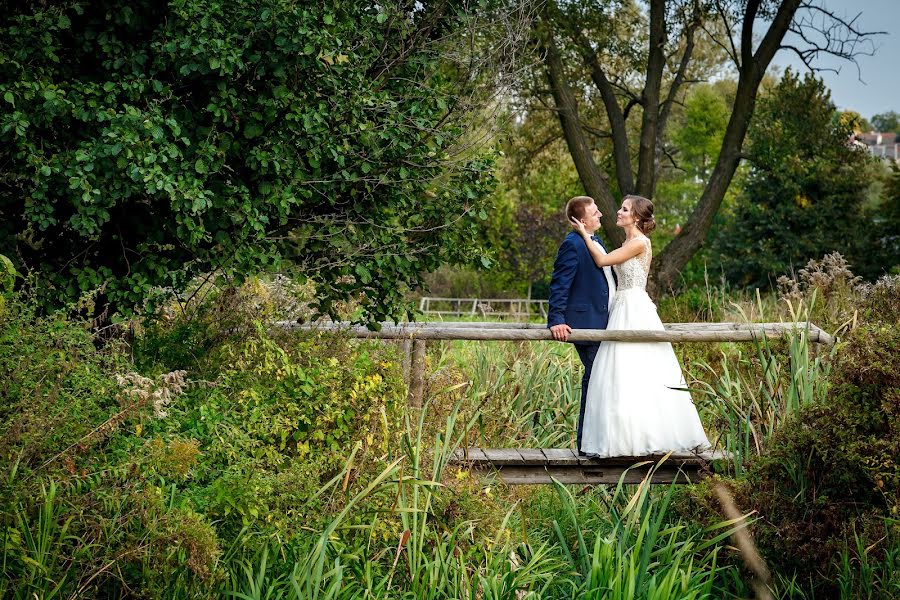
633	272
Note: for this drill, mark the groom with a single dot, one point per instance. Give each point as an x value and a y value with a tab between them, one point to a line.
580	291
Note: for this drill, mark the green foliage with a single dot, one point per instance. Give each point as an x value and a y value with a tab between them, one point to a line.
57	389
153	478
699	140
803	195
832	471
150	143
879	252
887	122
281	418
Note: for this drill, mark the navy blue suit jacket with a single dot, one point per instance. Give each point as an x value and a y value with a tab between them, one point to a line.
579	294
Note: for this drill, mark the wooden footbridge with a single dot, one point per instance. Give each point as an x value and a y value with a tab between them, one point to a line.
516	466
543	465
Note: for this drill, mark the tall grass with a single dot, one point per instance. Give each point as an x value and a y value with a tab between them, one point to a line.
644	552
527	394
748	397
44	538
863	575
636	548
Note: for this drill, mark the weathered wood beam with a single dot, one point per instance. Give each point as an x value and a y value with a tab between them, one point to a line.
518	466
417	374
676	332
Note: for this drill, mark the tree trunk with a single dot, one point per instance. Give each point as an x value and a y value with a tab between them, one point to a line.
656	61
618	128
676	255
592	177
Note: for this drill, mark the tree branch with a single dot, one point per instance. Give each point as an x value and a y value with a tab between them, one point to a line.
592	177
826	33
656	61
679	80
621	153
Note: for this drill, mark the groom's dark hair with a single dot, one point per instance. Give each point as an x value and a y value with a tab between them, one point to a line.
575	206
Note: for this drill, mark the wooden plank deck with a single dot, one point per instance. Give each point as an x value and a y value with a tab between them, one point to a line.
517	466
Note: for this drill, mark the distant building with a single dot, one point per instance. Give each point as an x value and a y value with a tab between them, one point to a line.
881	145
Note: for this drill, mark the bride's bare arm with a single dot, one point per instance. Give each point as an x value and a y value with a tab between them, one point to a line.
616	257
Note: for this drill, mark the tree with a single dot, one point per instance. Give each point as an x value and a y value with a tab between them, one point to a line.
699	140
887	122
148	143
804	193
536	236
642	72
878	252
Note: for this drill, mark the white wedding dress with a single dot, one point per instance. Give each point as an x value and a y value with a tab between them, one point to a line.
636	404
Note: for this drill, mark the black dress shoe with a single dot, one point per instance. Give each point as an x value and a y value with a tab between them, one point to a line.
580	453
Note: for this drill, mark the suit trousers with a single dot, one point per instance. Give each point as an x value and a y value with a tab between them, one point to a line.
586	352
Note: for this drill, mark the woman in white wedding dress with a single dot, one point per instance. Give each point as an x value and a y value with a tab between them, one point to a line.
636	401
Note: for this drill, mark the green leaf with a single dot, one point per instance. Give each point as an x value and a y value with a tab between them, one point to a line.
8	274
9	98
364	275
252	130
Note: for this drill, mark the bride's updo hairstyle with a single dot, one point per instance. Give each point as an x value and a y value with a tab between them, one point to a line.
642	209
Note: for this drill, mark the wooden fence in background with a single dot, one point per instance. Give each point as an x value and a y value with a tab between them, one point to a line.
518	308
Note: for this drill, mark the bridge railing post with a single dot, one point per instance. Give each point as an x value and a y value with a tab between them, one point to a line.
417	373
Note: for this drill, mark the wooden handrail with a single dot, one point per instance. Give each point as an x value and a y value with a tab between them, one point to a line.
674	332
413	336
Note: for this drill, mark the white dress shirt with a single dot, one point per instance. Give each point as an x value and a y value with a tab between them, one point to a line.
610	282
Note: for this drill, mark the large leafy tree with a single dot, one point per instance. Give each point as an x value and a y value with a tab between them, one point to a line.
878	251
147	143
617	68
887	122
805	189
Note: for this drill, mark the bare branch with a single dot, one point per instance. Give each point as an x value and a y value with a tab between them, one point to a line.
826	33
731	49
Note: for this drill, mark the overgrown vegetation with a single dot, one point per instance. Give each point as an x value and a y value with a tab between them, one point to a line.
263	463
159	156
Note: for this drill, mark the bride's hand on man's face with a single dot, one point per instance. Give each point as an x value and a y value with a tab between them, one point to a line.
577	225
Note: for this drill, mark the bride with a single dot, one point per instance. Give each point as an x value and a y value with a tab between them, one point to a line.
636	402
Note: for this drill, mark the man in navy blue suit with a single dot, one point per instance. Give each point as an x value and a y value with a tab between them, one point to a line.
580	291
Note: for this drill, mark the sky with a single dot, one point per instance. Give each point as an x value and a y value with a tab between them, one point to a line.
874	87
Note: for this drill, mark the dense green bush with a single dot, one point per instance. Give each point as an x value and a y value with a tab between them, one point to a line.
832	472
72	504
146	483
146	144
